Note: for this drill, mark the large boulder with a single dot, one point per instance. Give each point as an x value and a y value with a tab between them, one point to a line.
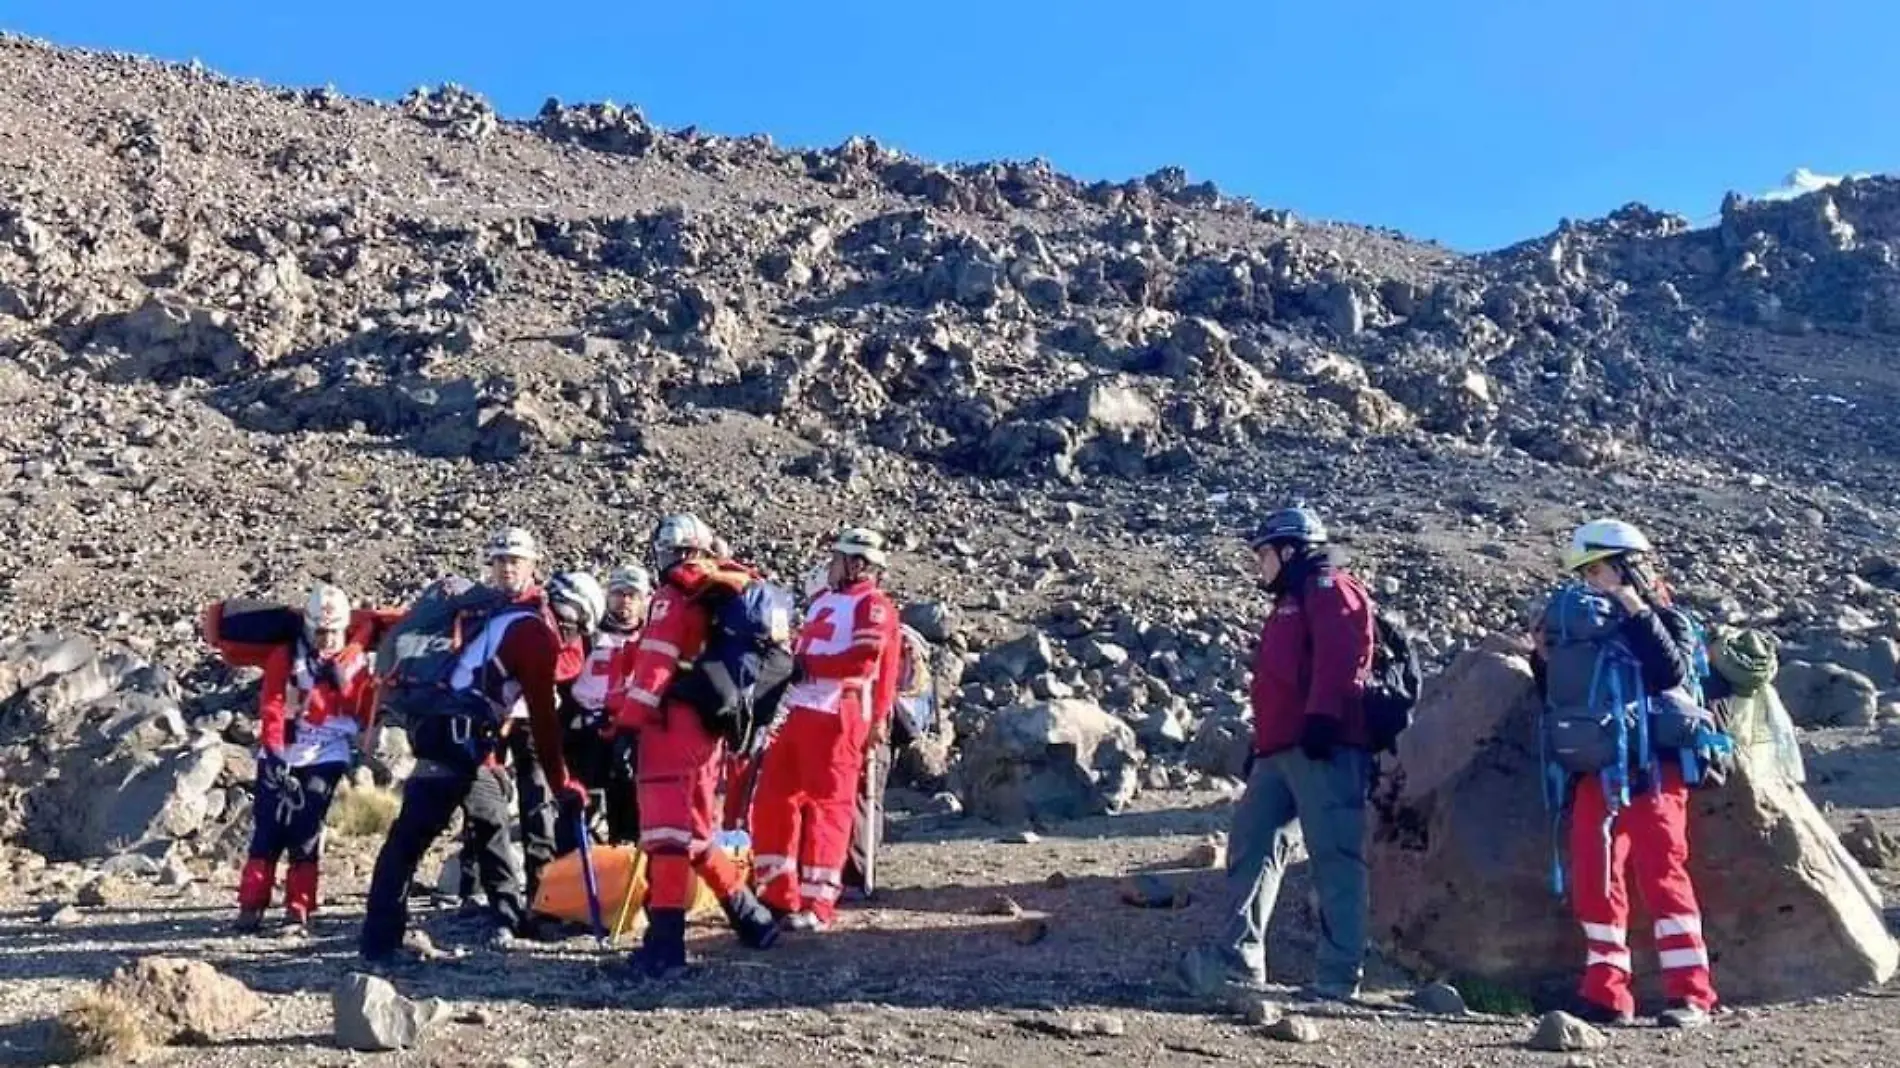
1220	746
96	745
1461	861
1054	760
1827	695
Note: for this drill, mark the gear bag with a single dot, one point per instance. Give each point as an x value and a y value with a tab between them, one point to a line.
736	683
417	658
246	632
1393	685
916	712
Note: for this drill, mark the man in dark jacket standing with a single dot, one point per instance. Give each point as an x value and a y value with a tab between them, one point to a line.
1311	766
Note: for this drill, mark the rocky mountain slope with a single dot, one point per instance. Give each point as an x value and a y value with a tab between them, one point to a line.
254	335
251	336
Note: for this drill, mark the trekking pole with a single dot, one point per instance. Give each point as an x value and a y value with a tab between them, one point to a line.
589	879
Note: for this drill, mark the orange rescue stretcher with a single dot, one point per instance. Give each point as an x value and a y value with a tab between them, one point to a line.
621	873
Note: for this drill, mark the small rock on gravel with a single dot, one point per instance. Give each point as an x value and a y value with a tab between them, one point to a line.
1153	892
1000	905
1560	1032
1440	999
1029	932
1094	1026
1210	852
1294	1029
372	1017
1263	1013
60	914
104	892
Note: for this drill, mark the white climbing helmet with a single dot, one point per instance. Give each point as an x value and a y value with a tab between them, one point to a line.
512	541
1603	539
577	599
678	535
864	543
327	610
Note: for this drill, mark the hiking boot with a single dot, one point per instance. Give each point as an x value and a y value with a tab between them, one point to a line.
1684	1016
1208	972
804	920
249	921
501	940
1591	1012
755	925
662	953
296	926
1330	993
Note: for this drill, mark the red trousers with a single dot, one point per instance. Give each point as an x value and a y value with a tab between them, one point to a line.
806	803
739	774
1651	838
676	782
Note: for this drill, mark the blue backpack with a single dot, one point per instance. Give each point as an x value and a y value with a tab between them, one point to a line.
1599	718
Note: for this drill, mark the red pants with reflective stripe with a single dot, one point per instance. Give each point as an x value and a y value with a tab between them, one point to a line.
1651	839
676	783
739	773
806	804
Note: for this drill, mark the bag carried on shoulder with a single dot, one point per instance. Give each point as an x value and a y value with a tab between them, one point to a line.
735	685
247	632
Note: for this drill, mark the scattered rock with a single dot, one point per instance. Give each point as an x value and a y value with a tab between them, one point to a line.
1056	881
106	891
1871	846
935	621
1029	931
184	1000
372	1017
57	914
1055	760
1210	852
1294	1029
1000	905
1260	1012
1827	695
1560	1032
1154	892
1440	999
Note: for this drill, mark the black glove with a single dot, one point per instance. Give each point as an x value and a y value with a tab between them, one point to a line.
1318	736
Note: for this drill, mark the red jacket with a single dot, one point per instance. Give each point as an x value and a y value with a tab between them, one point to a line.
342	688
1315	653
849	650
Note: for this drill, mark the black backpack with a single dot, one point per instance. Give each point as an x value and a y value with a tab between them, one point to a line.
1393	684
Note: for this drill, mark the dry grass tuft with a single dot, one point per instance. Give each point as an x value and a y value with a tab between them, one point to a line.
99	1027
360	812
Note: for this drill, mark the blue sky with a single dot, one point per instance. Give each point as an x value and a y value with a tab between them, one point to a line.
1475	122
